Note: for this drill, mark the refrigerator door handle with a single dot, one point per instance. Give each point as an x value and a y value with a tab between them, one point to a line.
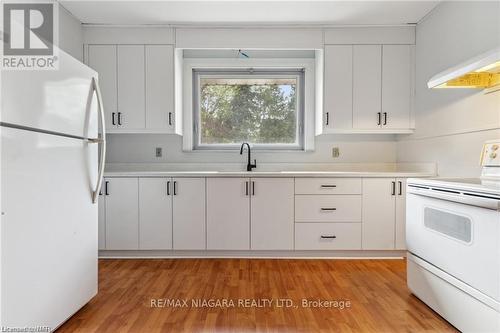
100	140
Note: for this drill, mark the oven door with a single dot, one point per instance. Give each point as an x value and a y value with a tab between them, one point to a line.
460	239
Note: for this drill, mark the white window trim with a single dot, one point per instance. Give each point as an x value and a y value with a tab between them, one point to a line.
309	92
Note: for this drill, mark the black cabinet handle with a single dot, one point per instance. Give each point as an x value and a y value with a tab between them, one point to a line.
393	188
246	188
328	236
168	187
328	118
253	188
119	118
328	209
170	118
328	186
175	188
106	187
379	115
385	118
400	188
113	121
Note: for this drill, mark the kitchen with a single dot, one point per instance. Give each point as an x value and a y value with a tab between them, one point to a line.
252	166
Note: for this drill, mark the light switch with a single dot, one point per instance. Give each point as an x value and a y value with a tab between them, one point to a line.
335	152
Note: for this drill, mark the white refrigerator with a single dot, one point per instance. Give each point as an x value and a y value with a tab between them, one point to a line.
52	160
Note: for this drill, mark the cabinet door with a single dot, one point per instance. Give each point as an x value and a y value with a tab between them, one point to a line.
189	214
272	209
102	58
378	213
155	214
101	220
367	81
400	214
131	105
122	214
228	214
338	86
160	87
396	85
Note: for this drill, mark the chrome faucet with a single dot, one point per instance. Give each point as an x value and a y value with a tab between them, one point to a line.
250	166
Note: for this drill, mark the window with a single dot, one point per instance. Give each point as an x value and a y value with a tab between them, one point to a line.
263	107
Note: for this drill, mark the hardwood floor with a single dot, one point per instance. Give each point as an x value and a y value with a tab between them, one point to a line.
131	293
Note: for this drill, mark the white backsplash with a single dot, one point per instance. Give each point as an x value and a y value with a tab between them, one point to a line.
140	148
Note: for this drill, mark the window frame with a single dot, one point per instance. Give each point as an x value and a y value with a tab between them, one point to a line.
184	94
296	73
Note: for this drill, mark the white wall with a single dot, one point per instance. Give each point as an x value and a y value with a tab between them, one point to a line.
452	124
70	34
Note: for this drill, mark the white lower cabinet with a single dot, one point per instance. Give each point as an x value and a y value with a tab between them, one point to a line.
155	214
401	214
327	208
383	217
228	214
122	213
328	236
189	226
272	213
101	229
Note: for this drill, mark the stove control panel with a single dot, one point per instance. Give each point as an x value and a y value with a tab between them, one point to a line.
490	155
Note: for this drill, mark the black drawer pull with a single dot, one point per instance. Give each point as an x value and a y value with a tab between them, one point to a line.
328	236
328	209
328	186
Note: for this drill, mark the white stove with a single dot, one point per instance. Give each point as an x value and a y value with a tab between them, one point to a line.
453	240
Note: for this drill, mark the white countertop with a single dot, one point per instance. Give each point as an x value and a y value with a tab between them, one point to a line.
309	170
265	174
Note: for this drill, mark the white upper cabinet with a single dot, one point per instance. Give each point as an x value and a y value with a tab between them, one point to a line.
272	224
396	86
367	83
102	58
137	84
160	87
368	89
131	113
338	86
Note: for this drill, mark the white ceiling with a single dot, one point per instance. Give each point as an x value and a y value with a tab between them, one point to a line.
249	12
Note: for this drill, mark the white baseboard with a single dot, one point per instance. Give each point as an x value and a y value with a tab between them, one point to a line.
172	254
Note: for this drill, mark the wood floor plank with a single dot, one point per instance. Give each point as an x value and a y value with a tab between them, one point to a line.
376	290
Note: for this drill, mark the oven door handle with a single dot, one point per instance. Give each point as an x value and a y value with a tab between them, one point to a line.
471	200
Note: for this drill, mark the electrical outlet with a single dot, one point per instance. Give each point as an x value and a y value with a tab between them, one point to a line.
159	152
335	152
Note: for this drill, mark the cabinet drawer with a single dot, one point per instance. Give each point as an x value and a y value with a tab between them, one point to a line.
328	236
328	186
327	208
